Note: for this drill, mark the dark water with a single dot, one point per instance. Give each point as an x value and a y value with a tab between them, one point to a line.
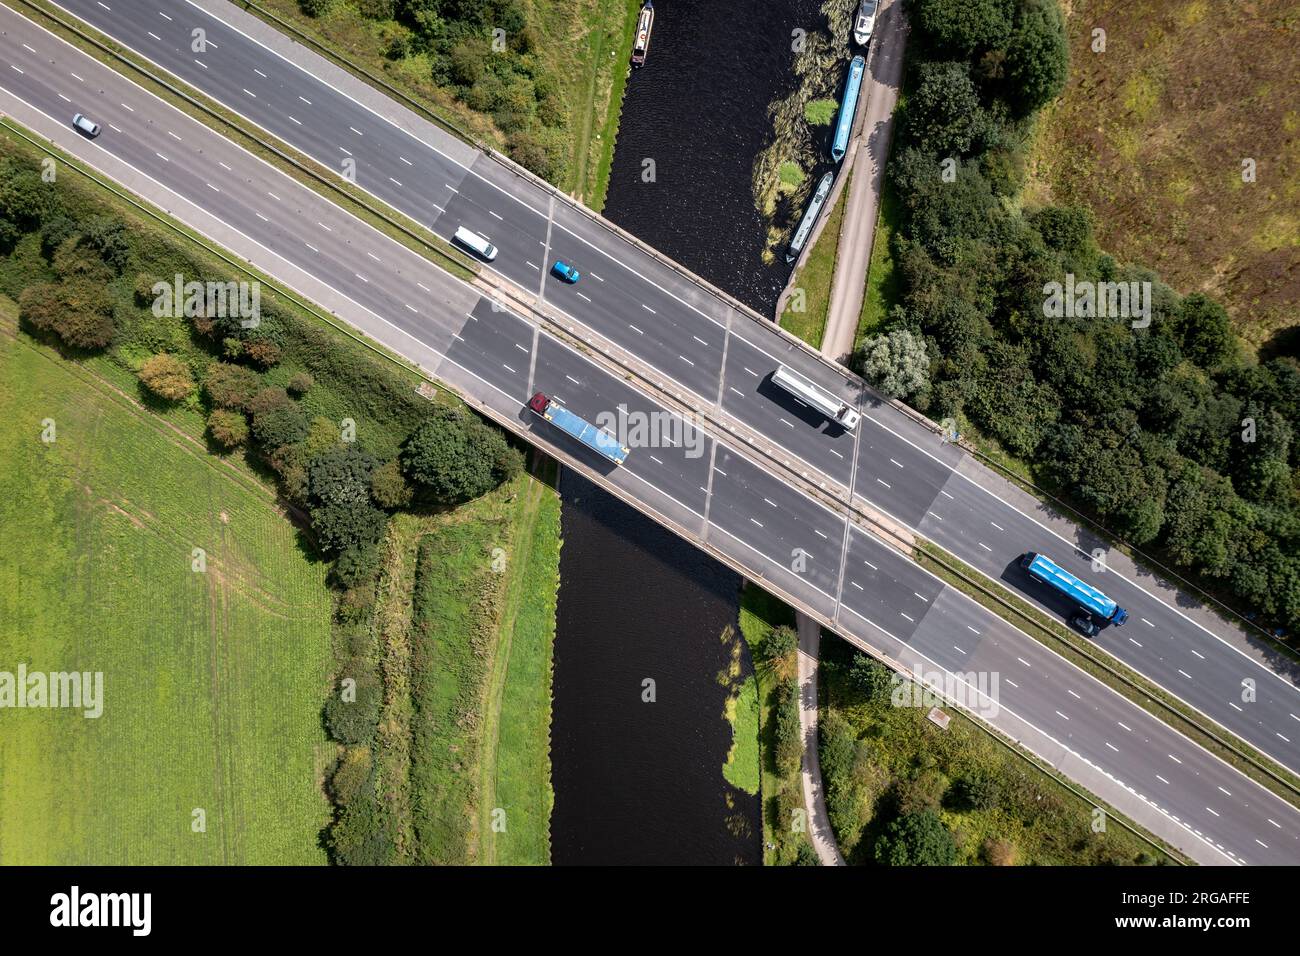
639	782
699	110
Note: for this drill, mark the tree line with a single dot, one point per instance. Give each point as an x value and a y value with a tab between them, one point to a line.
1162	425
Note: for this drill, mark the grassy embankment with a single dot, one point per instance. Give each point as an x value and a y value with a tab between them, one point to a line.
213	681
349	380
1000	808
464	627
1152	133
781	795
583	44
814	279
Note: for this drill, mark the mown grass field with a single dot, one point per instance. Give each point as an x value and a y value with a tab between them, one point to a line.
1152	133
213	681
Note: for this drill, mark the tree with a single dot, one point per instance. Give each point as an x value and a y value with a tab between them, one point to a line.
357	524
278	420
779	652
167	377
228	428
354	721
340	475
1203	331
231	386
79	313
455	457
789	732
916	839
873	679
944	114
897	363
963	28
26	200
1038	58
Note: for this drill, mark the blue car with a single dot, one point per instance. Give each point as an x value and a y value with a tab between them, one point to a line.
562	270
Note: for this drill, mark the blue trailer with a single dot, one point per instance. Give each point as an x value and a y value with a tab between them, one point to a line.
1087	597
849	108
601	442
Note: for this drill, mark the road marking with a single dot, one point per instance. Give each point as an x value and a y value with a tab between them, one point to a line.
883	482
1073	694
405	160
998	526
581	296
596	277
305	100
1287	739
452	188
375	257
423	286
1025	662
871	566
123	105
325	227
635	329
946	495
412	308
104	5
294	118
532	265
1197	653
913	620
1013	684
1125	726
261	217
857	585
921	596
1184	673
1112	746
260	73
201	63
274	196
648	309
164	16
1173	758
77	78
971	629
521	348
362	278
64	98
1212	810
750	371
496	216
1131	641
573	380
700	340
898	463
223	166
757	522
687	361
1163	780
150	32
161	156
508	369
820	534
655	460
835	453
311	247
770	502
1059	714
1235	707
212	187
12	67
935	515
1225	791
355	130
986	547
249	92
1147	623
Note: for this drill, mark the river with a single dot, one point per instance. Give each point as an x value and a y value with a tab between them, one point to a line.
638	782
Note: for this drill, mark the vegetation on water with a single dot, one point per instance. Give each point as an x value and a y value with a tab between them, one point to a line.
539	79
741	769
1177	129
768	628
902	792
1169	433
344	434
799	133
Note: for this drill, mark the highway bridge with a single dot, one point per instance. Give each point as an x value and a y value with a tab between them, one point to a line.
774	493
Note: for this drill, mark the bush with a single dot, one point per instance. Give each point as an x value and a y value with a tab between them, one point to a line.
340	476
300	384
916	839
316	8
279	424
339	527
1038	58
389	487
79	313
897	363
231	386
354	722
228	428
167	377
454	456
789	733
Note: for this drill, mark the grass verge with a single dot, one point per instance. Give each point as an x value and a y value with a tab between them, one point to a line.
810	298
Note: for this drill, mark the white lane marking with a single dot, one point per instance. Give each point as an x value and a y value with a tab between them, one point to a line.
933	515
260	73
405	160
293	118
946	495
212	187
1162	779
835	453
101	3
1184	673
127	108
508	369
64	98
998	526
1147	623
898	463
164	16
323	226
373	256
596	277
912	619
1112	746
249	92
1125	726
224	166
1059	714
572	379
871	566
857	585
1212	810
261	217
1225	791
362	278
521	348
971	629
750	371
686	360
355	130
12	67
305	100
960	650
1198	654
648	309
883	482
161	156
1073	694
496	215
985	547
1235	707
700	340
581	296
1131	641
394	181
412	308
1025	662
200	63
311	247
423	286
77	78
1173	758
757	522
151	33
273	196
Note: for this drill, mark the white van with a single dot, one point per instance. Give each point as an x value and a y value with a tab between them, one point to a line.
475	243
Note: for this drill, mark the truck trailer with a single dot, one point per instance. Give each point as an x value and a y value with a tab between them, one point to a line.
601	442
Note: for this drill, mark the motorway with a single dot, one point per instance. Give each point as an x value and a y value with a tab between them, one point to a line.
726	499
707	350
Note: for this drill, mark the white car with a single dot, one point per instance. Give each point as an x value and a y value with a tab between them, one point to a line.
84	125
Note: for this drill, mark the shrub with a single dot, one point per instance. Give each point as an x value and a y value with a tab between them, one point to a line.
916	839
339	527
231	386
228	428
897	363
389	487
79	313
300	384
454	456
167	377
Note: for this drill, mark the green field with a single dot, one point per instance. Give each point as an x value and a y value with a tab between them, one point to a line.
213	681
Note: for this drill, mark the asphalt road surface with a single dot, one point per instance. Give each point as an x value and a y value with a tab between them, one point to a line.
704	486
